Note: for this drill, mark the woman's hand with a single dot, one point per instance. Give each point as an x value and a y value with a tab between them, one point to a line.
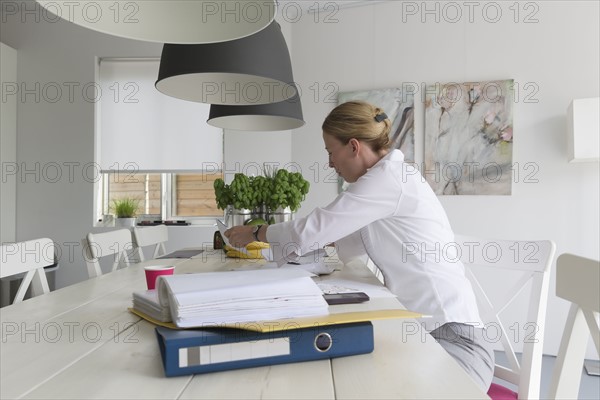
240	236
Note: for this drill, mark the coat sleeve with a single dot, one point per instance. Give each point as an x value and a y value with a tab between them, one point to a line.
374	196
350	248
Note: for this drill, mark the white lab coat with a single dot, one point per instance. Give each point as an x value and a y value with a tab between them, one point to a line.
392	215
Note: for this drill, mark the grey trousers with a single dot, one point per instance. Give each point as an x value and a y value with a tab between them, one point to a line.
469	347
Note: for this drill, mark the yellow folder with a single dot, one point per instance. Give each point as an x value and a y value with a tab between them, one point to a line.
296	323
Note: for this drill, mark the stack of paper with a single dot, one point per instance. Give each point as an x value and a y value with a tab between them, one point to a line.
148	303
217	298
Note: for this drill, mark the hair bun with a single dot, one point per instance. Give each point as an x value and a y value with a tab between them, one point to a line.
359	120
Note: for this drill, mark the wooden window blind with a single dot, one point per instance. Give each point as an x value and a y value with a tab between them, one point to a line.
195	195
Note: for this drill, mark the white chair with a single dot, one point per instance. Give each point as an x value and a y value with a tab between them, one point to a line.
151	235
376	271
28	259
578	281
96	245
532	261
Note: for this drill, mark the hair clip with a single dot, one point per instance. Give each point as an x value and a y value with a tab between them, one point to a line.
380	117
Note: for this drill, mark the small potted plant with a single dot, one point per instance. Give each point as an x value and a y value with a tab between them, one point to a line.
125	210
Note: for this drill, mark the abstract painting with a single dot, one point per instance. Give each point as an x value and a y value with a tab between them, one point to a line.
399	106
469	138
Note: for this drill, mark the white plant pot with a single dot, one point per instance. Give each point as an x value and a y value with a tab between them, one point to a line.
125	222
280	215
238	217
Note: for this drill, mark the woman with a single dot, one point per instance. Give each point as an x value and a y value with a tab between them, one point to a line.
390	214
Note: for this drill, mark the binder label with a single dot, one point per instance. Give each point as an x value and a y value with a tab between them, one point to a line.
220	353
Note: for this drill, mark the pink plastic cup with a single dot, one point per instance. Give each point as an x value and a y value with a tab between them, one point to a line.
152	273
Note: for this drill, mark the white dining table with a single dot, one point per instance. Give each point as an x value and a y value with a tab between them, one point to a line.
81	342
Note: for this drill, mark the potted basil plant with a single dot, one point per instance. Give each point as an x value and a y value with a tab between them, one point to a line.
287	191
237	199
274	197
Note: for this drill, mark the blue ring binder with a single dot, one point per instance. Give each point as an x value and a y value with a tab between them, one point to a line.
196	351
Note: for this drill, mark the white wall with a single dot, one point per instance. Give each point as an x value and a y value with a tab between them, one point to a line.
247	152
8	144
384	45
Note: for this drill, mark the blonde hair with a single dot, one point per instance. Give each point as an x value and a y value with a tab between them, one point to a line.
362	121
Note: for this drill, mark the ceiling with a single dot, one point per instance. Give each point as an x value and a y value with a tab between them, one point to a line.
309	5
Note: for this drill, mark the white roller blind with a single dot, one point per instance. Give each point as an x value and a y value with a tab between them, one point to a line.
144	129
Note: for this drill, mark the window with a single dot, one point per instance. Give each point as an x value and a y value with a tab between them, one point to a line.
153	148
187	195
145	188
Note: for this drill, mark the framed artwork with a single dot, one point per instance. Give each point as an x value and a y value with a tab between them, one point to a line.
469	138
399	107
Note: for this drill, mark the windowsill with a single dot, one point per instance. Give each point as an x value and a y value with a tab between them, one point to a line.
208	223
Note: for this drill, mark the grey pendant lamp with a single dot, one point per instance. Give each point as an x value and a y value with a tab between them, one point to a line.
280	116
168	21
253	70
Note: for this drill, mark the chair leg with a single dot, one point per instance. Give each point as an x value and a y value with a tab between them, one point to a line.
566	376
24	286
39	284
159	250
592	321
138	255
